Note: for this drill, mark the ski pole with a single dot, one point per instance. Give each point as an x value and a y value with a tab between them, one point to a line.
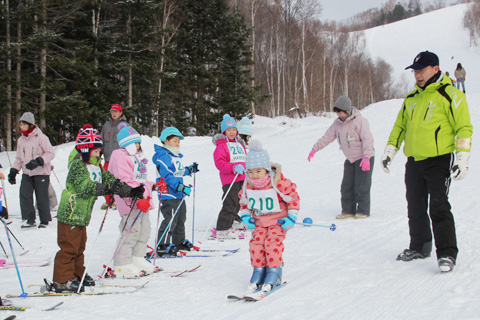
193	209
15	238
168	226
23	295
160	187
1	245
57	178
223	199
2	177
121	239
94	245
332	227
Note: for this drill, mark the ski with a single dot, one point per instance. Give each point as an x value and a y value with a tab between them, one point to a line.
262	294
238	298
44	293
201	254
10	318
25	264
185	271
13	308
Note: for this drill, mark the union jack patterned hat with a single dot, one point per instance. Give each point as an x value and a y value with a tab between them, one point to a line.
88	139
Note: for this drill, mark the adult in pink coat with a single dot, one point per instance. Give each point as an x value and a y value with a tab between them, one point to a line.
34	156
352	132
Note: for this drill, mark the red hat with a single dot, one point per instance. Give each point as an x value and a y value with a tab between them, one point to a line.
116	107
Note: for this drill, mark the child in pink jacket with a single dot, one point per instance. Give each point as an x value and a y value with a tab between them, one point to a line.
270	205
127	165
352	132
229	157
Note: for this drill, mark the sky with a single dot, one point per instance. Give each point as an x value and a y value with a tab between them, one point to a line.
343	9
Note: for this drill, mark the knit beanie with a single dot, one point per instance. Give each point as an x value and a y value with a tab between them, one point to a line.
228	122
28	117
170	131
88	139
245	127
127	135
257	157
343	103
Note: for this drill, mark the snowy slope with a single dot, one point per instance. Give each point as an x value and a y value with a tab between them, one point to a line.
350	273
439	31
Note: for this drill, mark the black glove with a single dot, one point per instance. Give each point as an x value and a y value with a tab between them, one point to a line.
193	168
12	175
137	192
34	163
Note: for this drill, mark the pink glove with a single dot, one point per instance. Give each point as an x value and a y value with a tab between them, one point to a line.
311	154
365	163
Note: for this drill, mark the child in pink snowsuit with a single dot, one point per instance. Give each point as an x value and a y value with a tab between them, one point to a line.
270	205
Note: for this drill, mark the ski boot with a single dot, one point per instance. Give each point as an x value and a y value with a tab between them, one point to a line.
410	254
71	285
167	250
129	271
187	246
272	279
258	278
144	265
87	281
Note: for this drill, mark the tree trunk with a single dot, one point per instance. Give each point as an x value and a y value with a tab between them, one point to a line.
43	69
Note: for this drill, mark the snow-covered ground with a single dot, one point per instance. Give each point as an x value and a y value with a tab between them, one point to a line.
350	273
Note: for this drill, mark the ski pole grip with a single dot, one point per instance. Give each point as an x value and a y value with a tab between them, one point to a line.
251	220
281	221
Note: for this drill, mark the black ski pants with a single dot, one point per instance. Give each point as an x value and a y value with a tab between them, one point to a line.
355	187
424	179
39	185
176	234
230	206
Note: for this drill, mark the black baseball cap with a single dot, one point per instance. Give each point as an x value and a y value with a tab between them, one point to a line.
423	60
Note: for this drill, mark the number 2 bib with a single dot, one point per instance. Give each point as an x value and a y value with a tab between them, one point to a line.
95	173
263	201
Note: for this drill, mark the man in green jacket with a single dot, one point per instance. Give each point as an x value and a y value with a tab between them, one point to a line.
434	121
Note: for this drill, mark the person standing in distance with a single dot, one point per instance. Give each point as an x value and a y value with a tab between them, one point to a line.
434	122
109	137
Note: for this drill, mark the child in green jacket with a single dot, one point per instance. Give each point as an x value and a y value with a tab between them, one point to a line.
86	181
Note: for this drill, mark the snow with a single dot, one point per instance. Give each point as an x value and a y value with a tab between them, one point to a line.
350	273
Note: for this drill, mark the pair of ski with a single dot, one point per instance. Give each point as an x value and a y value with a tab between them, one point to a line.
257	295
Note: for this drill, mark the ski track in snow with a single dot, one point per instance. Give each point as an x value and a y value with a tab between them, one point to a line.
350	273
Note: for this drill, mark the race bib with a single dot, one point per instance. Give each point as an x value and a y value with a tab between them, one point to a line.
237	153
263	201
95	173
179	168
139	170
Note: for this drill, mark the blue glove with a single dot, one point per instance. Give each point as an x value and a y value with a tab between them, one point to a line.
288	222
238	169
183	188
248	221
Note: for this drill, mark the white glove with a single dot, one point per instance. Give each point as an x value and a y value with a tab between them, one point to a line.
460	167
390	152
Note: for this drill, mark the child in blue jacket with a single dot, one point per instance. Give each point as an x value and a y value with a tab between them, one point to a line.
168	160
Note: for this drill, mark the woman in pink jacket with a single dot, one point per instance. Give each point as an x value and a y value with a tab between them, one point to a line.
127	165
34	156
353	134
229	157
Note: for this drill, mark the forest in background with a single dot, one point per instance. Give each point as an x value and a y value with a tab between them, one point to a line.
181	63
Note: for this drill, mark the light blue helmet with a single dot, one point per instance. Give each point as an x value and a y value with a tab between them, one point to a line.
170	131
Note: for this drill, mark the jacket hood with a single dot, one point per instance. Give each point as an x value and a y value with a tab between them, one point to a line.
222	140
442	80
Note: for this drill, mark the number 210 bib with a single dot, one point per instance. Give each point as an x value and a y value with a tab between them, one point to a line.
263	201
